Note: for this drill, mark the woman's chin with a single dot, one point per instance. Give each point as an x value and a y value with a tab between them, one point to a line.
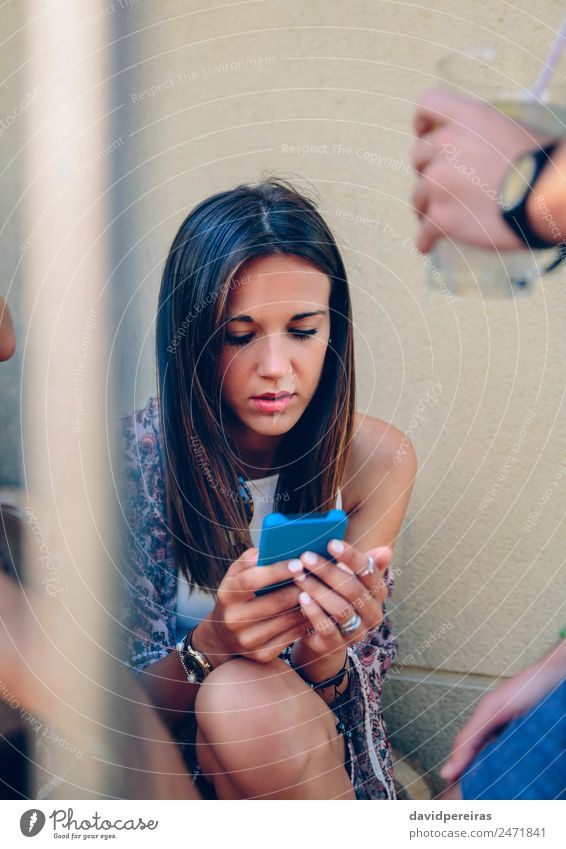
275	424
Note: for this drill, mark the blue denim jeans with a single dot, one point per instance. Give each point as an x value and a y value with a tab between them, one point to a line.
528	759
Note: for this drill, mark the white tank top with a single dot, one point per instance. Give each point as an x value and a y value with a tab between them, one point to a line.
191	609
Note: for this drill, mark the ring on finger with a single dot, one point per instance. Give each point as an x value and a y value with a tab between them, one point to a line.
351	625
370	568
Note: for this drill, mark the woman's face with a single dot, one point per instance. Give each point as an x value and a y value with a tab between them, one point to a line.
277	331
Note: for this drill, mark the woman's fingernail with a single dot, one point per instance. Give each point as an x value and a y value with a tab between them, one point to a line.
305	598
344	568
445	771
309	557
295	565
300	577
337	546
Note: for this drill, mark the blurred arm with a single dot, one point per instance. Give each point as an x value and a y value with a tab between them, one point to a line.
546	207
7	335
462	155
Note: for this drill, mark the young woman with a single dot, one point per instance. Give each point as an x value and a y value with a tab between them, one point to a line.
275	695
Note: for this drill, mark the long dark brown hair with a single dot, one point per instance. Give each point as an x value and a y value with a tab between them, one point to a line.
206	514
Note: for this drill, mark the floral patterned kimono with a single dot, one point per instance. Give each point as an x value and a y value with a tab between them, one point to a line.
150	614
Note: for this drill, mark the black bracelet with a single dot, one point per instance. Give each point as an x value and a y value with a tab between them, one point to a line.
333	681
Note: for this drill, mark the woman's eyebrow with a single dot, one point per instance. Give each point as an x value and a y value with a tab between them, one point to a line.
296	317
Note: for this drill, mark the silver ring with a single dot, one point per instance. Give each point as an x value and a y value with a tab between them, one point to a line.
370	568
351	625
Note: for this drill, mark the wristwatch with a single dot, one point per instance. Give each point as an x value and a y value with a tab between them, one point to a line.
196	665
517	186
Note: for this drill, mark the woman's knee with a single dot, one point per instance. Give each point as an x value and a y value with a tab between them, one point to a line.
245	700
241	687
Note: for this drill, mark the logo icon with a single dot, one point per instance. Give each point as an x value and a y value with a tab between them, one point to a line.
31	822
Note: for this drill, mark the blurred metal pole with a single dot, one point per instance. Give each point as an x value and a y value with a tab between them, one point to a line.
66	264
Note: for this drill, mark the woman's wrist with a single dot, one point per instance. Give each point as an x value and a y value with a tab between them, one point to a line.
545	205
204	640
312	667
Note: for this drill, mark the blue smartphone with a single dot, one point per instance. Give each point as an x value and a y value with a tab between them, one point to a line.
284	536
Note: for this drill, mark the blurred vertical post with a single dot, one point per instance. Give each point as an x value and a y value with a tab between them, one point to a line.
66	457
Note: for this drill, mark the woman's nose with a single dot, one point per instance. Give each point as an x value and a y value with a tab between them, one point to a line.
273	362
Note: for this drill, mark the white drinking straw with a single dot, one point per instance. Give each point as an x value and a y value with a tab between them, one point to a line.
549	66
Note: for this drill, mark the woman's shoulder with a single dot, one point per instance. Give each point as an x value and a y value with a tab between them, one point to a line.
377	448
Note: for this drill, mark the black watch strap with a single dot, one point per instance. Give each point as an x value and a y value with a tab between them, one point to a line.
516	216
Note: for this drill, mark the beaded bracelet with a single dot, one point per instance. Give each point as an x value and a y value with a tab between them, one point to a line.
334	681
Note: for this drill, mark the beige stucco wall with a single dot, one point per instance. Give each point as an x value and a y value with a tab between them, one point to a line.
208	99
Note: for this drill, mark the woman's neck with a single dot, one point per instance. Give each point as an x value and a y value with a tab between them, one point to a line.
257	454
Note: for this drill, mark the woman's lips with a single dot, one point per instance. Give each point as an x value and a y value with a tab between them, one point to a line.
272	405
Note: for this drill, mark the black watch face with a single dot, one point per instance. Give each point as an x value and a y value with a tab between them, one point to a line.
519	180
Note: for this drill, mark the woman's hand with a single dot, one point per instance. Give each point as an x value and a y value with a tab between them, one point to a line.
464	151
256	627
7	335
497	708
333	593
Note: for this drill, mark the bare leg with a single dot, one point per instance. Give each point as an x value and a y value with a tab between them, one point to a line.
145	757
263	733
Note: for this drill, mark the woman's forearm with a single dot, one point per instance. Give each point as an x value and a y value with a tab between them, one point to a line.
7	335
165	682
555	661
546	206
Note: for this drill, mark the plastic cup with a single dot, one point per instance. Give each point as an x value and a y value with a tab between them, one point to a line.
464	269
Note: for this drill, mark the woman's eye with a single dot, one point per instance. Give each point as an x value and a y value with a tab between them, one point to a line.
303	334
239	340
243	340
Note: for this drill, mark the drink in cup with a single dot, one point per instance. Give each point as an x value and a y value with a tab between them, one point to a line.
469	270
